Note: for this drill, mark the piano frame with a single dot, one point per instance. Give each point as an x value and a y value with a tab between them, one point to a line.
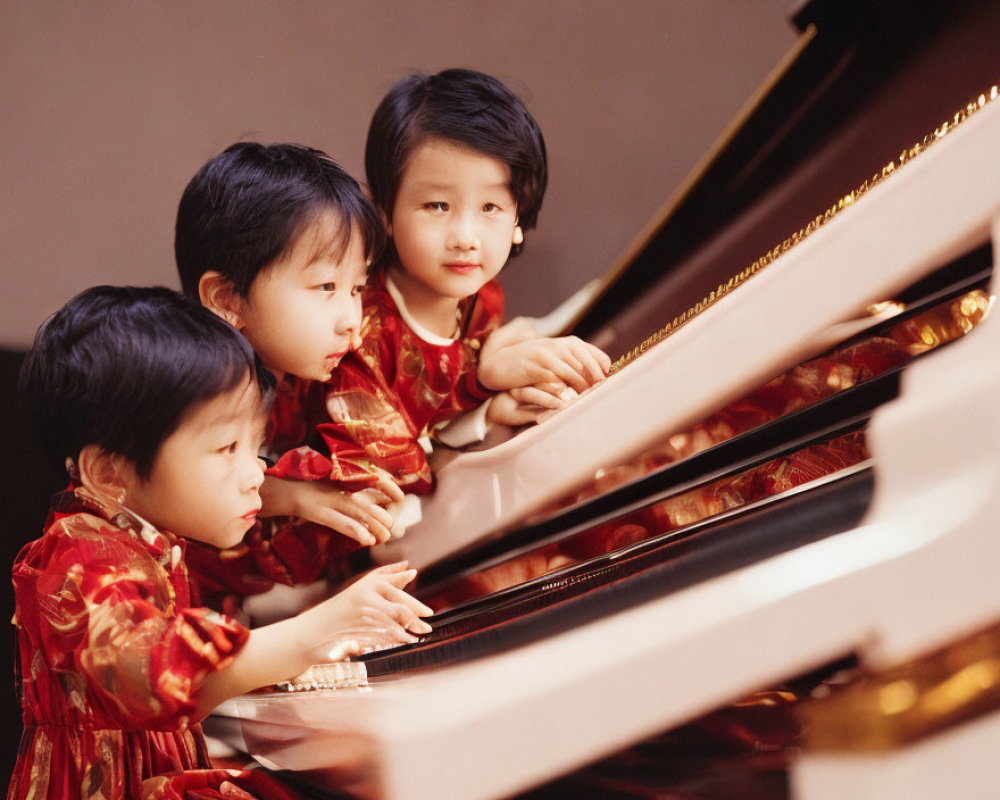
918	572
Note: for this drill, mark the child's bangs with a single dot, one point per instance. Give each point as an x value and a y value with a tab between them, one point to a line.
331	228
328	234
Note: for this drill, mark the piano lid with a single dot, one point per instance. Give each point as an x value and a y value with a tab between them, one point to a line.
864	79
911	223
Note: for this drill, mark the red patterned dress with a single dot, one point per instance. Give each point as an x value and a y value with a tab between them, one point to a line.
382	400
390	393
111	652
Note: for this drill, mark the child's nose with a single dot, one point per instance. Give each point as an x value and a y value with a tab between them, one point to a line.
463	233
253	477
349	317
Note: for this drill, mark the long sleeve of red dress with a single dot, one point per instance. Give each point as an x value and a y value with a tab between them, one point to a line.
111	654
386	397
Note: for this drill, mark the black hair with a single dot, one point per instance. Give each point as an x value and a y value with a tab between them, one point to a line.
246	207
462	106
120	367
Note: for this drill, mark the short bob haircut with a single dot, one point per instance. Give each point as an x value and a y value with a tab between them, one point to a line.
462	106
246	208
120	367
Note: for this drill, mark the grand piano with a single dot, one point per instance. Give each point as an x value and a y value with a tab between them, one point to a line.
795	464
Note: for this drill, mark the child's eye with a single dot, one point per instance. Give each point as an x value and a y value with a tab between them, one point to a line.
327	287
229	448
489	207
357	290
437	205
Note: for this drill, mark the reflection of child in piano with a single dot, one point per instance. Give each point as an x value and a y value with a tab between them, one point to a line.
457	167
157	409
277	241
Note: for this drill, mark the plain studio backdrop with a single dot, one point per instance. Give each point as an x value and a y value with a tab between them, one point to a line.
109	108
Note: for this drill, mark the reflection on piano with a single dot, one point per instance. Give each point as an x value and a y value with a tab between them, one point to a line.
695	529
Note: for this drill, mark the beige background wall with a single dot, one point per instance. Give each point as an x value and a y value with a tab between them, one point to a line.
109	107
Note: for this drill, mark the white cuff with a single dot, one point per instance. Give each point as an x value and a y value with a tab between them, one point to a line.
465	429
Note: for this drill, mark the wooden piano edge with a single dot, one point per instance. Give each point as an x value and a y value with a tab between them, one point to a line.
929	211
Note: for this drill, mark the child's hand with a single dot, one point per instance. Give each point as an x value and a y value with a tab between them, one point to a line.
516	331
363	515
517	407
372	612
543	361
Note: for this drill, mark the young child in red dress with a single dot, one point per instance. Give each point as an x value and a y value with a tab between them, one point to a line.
277	240
157	408
457	167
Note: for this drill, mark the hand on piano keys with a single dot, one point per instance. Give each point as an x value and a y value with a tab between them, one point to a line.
371	613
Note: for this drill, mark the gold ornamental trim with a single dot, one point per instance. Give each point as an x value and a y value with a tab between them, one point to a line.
817	222
880	711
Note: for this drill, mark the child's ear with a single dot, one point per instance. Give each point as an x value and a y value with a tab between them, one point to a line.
518	237
105	475
218	294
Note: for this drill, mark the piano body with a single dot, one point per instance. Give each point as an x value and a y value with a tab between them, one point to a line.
889	556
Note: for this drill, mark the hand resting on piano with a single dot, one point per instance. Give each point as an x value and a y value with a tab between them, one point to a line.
534	374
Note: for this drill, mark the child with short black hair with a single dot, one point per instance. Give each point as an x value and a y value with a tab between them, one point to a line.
277	240
457	166
156	408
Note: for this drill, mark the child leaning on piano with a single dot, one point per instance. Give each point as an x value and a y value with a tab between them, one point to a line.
457	167
277	241
156	408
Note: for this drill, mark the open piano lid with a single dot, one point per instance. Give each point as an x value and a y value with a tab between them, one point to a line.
864	80
498	725
853	93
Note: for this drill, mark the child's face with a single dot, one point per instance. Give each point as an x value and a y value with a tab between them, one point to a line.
303	312
453	220
205	480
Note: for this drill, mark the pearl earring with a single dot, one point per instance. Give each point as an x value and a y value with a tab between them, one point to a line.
71	469
518	237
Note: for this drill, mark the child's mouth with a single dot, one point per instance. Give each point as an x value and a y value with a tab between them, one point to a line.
461	267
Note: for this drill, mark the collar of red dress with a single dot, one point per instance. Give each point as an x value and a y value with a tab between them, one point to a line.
162	545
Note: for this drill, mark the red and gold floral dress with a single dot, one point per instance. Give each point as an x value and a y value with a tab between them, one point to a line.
390	394
111	652
381	402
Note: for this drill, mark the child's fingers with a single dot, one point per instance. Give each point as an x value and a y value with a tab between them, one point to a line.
398	580
519	415
373	518
394	567
373	498
406	599
383	628
593	363
543	398
583	358
602	358
344	650
398	574
350	527
388	487
562	369
406	610
368	509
